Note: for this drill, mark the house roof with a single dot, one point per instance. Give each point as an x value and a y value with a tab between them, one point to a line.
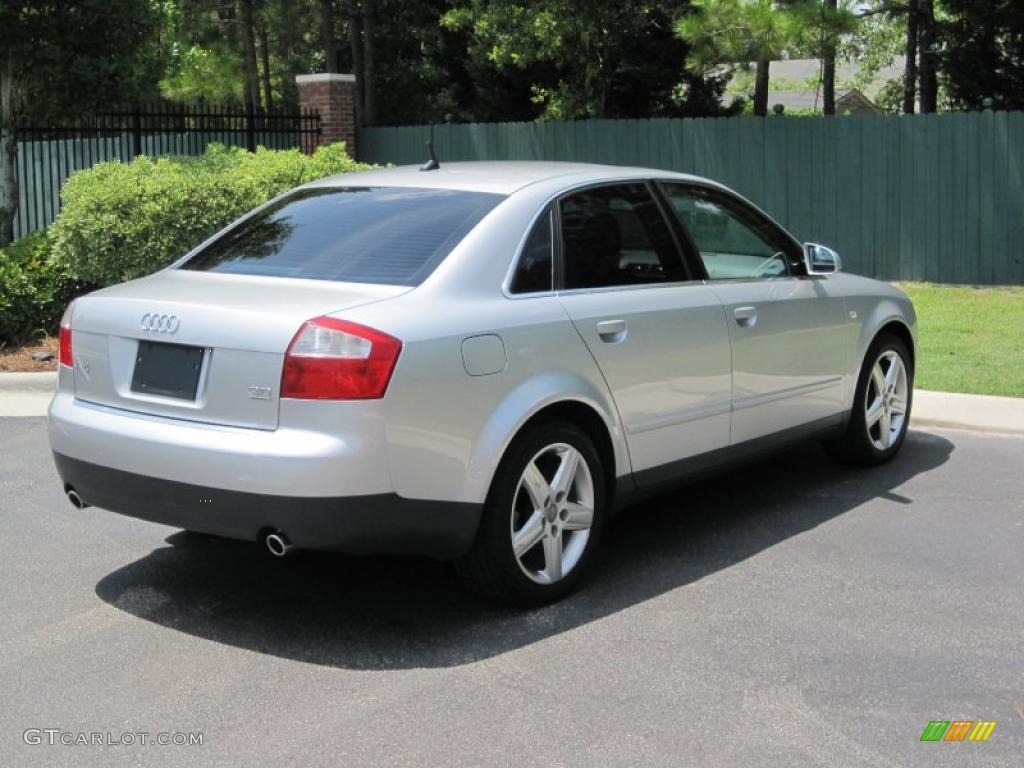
794	73
802	70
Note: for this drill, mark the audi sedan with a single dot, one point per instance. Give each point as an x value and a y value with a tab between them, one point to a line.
480	362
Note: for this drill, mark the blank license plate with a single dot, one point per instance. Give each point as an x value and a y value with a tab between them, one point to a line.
169	370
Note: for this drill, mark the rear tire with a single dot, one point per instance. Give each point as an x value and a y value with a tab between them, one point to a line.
881	406
542	518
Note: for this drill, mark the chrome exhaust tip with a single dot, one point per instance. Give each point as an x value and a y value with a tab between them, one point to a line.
278	544
76	501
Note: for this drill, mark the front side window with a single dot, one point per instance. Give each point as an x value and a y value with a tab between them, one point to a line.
534	271
384	235
733	241
617	236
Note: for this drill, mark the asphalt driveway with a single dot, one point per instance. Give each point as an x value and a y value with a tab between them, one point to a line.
794	613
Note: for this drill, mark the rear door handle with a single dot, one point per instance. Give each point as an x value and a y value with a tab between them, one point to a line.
612	331
746	316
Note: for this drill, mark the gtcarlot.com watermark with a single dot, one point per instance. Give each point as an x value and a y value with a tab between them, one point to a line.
58	737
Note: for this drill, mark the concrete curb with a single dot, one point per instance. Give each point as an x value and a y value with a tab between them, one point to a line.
984	413
28	394
28	382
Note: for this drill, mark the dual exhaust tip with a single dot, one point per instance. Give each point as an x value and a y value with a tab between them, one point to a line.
276	542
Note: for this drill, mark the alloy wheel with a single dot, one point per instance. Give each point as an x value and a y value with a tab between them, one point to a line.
885	403
552	513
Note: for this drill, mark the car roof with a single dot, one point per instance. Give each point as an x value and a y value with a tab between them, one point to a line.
500	177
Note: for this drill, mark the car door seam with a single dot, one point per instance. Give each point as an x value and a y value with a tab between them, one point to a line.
607	386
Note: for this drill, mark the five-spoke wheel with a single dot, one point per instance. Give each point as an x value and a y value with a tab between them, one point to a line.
885	402
552	513
541	519
881	407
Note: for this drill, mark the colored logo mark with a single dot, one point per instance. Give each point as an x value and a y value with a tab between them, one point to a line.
958	730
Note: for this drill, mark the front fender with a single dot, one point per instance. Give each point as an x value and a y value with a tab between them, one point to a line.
876	314
885	312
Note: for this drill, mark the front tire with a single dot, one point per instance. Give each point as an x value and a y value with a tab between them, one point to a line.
541	520
881	407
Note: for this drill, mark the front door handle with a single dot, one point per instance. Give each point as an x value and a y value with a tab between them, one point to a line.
612	331
746	316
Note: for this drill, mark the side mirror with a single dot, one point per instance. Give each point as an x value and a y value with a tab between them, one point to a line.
820	260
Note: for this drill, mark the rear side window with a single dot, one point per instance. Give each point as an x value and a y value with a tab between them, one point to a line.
384	235
616	235
534	270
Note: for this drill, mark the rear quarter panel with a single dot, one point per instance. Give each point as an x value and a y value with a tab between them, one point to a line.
446	430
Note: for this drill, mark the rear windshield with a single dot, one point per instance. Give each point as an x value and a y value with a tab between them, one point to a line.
388	235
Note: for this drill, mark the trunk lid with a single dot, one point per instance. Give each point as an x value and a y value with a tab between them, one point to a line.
239	327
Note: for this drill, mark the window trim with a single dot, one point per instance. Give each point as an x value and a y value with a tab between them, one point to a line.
551	204
797	268
510	274
687	249
506	286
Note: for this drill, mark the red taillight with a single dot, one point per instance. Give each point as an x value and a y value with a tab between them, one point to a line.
64	354
336	360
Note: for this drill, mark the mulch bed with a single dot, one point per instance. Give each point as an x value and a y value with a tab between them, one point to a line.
20	358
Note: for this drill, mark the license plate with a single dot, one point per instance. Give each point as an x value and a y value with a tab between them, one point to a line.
168	370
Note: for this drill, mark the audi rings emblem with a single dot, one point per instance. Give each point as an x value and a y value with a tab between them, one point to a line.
157	323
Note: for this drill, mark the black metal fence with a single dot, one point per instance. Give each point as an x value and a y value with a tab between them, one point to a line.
48	154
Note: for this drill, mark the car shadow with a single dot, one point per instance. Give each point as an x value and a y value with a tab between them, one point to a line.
396	613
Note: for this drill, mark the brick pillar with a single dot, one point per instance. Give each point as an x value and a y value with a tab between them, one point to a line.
333	97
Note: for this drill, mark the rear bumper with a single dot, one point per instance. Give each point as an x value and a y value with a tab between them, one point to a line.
327	450
373	524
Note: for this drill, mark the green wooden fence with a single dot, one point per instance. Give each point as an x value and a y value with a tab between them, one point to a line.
925	197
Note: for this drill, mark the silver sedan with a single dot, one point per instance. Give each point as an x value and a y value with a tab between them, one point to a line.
480	362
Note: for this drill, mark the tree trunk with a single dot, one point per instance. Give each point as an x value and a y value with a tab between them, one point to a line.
289	90
761	88
355	36
268	93
248	39
327	31
910	75
828	64
926	35
369	90
9	154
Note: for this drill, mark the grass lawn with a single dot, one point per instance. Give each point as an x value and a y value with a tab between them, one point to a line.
969	339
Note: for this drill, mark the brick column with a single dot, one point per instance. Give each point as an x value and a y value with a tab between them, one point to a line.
333	97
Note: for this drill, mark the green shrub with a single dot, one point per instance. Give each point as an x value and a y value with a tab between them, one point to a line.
124	220
35	287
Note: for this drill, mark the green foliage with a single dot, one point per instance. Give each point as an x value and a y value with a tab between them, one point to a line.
874	44
589	58
125	220
984	53
35	287
738	31
198	74
71	56
819	24
889	97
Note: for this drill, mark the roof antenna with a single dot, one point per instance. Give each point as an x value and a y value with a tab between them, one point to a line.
431	164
